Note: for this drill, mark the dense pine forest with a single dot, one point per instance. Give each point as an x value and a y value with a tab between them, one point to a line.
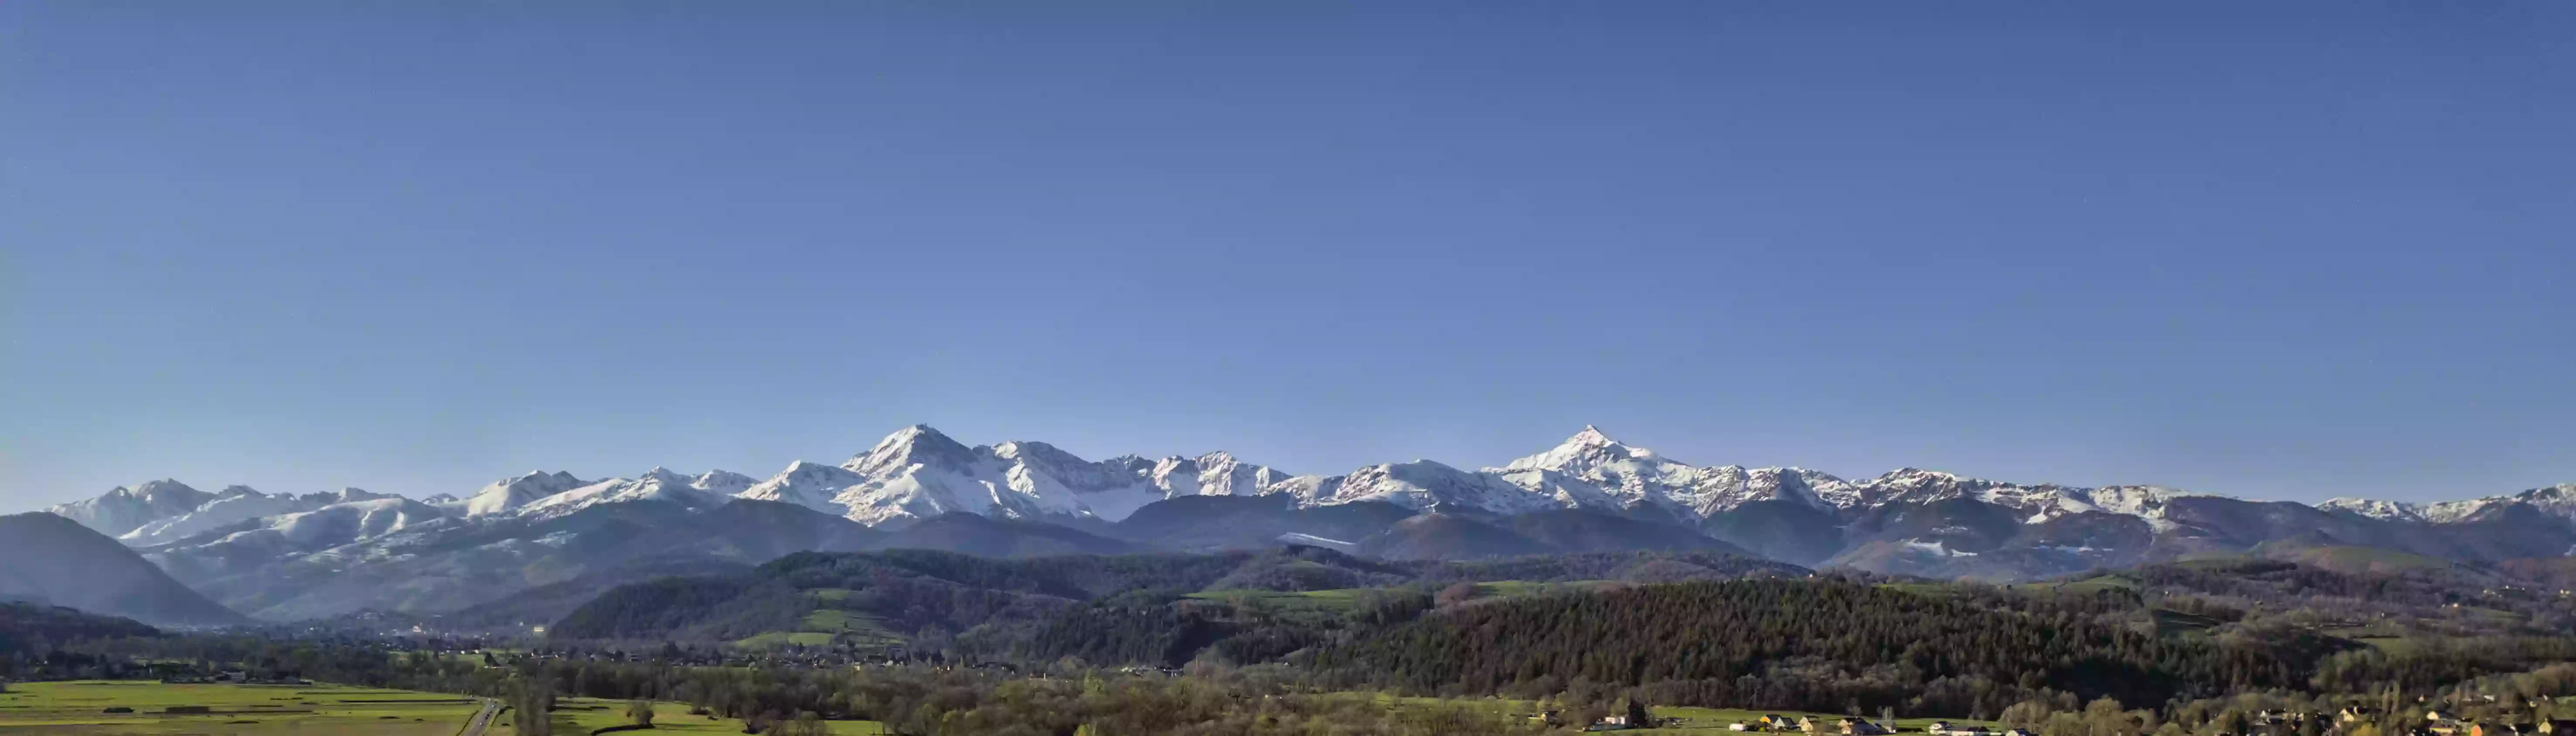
32	628
1810	645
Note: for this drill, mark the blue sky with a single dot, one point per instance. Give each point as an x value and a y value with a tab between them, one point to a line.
2288	251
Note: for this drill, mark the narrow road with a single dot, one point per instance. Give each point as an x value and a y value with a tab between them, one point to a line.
482	718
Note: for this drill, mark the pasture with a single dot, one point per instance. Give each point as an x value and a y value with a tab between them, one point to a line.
579	716
1680	719
82	707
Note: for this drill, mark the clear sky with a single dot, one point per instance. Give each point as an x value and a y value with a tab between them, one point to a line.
2277	250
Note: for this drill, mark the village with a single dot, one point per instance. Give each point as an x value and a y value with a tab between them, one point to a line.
2435	721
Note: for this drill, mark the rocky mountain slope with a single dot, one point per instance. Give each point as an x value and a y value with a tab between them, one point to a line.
282	556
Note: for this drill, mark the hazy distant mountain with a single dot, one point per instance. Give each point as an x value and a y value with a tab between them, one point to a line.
50	558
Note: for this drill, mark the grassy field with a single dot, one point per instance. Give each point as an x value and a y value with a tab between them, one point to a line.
826	624
1315	600
576	716
77	708
2087	585
80	708
1683	719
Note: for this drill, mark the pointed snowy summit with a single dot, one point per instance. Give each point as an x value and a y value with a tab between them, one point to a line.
510	494
916	445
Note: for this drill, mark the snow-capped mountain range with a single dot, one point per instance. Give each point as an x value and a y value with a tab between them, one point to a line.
918	472
1908	520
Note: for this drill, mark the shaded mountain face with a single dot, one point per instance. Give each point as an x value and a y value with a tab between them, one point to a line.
49	558
1438	536
1467	536
1209	523
1589	530
1006	538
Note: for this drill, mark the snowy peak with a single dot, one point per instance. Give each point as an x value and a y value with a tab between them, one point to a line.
661	474
166	489
123	509
917	473
234	505
167	511
1425	485
1592	470
2043	502
657	485
811	485
2558	501
1579	454
2376	509
722	482
916	445
510	494
349	522
1212	474
352	495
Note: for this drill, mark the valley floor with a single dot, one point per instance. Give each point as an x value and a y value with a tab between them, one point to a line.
81	708
1685	719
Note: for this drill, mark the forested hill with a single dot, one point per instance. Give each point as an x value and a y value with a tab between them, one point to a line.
1808	643
31	627
902	595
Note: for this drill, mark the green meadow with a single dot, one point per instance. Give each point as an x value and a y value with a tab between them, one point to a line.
825	625
578	716
82	707
1680	719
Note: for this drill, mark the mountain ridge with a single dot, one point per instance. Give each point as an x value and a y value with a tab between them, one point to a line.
1909	520
918	472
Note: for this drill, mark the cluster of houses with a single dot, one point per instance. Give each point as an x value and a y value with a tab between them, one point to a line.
2437	722
2440	722
1862	727
1611	722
